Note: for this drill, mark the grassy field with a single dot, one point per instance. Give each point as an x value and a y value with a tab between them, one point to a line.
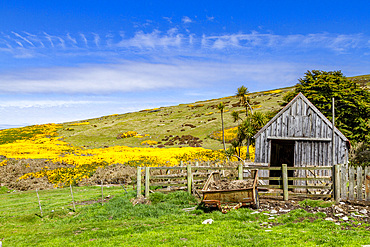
118	223
173	120
198	119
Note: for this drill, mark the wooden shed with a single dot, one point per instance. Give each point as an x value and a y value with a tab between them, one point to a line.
299	135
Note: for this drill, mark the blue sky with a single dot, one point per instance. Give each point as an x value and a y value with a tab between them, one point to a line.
70	60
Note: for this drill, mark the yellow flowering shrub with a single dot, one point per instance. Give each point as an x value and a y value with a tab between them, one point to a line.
84	162
128	134
149	142
4	163
78	124
230	134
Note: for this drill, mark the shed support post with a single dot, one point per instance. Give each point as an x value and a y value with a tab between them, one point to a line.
284	171
138	182
337	183
189	177
147	183
240	171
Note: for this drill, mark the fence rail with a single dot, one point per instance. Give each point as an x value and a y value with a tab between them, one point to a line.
343	183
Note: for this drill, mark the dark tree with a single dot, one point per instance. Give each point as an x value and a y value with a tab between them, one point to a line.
352	103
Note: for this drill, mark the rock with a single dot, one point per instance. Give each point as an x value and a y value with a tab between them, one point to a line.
207	221
329	219
338	209
345	218
363	211
273	212
284	210
338	215
255	212
271	218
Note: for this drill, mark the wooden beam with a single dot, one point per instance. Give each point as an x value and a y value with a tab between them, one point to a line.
298	139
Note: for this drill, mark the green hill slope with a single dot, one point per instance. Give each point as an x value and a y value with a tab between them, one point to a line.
197	120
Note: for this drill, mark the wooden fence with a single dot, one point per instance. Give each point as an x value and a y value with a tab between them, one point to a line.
345	183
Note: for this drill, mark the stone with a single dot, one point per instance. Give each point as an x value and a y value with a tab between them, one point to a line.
329	219
345	218
363	211
208	221
273	212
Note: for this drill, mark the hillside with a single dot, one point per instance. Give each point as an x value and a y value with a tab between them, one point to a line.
197	119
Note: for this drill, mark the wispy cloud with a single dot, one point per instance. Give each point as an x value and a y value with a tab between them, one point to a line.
186	19
44	103
131	76
186	41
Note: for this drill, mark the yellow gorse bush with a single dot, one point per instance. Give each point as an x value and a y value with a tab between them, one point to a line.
78	124
128	134
230	134
84	162
149	142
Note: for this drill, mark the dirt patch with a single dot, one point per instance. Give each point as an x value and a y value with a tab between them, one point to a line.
348	214
14	169
224	184
9	174
140	200
114	174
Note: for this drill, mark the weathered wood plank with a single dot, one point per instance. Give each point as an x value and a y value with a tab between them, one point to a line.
367	183
299	138
359	183
351	181
343	189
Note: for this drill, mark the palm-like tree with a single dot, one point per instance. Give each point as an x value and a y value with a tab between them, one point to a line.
235	116
221	107
243	98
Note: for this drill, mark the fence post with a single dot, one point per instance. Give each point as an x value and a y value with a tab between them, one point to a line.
189	176
147	183
367	183
359	183
240	171
337	183
138	182
73	200
284	171
351	180
38	198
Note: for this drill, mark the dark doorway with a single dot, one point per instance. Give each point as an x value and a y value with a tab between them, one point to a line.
282	152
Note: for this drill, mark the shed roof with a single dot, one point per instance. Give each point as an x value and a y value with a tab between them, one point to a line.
305	100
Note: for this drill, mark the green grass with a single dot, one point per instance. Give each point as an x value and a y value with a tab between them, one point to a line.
166	121
118	223
316	203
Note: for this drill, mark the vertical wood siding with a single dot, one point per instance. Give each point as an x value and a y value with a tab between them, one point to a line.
302	120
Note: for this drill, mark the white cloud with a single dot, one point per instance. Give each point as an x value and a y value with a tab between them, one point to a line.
186	19
45	103
140	76
186	41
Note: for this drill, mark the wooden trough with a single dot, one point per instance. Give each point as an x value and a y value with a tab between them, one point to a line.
231	198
